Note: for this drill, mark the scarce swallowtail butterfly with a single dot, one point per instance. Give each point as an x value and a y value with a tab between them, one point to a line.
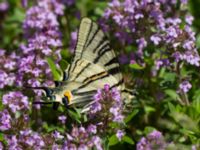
94	65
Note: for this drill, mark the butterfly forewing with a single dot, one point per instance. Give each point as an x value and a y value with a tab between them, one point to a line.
94	63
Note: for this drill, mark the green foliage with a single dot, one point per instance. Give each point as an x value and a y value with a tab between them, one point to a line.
179	122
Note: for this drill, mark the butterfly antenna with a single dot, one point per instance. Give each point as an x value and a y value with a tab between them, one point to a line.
42	103
47	90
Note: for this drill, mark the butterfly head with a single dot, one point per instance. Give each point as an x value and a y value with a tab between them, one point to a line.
66	98
55	95
62	97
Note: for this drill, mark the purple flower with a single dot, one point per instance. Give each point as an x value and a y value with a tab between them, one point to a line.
185	86
159	25
95	107
53	6
155	135
24	3
73	41
31	139
123	59
191	58
55	147
5	120
82	147
97	142
143	144
98	95
13	143
161	62
62	119
154	140
106	87
7	69
189	19
142	43
69	2
155	39
184	1
1	146
57	135
107	105
85	138
16	101
92	129
120	134
3	76
4	6
115	94
43	39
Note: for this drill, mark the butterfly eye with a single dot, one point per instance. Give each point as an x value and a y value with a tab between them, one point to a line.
65	101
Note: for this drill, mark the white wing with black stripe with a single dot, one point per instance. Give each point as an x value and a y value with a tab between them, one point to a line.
94	63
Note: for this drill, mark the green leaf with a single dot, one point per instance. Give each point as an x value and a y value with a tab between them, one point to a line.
172	94
1	137
198	41
149	109
63	64
148	130
129	117
128	140
74	115
170	77
136	66
196	101
113	140
171	107
55	71
185	121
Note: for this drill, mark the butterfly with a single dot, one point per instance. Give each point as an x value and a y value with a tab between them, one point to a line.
94	65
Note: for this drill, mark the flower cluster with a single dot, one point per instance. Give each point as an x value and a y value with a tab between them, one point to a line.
15	101
26	139
5	120
109	102
166	28
7	69
154	140
185	86
44	39
107	108
151	25
4	6
83	138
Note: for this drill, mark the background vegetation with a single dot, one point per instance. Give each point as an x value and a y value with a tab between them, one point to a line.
157	45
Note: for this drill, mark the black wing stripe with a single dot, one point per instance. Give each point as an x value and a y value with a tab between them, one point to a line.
74	92
82	70
90	24
103	40
112	61
75	64
92	38
95	76
99	76
117	84
65	76
90	81
114	70
101	54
